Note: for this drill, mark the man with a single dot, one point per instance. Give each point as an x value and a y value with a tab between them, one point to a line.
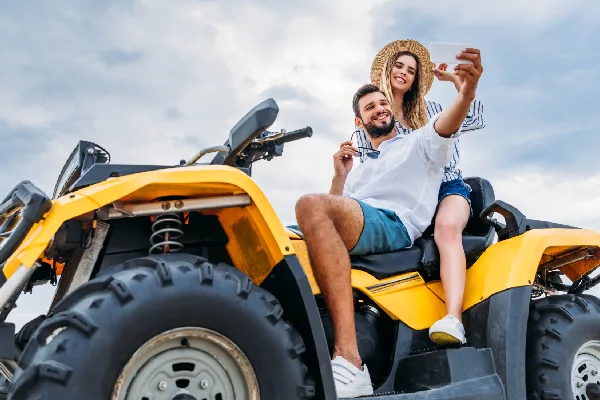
384	204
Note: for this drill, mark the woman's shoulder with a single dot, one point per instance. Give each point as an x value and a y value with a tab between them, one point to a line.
431	103
433	108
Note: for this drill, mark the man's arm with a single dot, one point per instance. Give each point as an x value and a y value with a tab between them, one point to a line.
338	184
343	160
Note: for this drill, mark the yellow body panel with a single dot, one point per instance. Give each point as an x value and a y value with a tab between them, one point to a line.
506	264
265	235
258	241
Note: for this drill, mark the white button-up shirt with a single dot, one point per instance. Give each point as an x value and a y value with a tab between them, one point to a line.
406	177
473	121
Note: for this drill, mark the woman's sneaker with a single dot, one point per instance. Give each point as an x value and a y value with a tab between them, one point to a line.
350	381
447	331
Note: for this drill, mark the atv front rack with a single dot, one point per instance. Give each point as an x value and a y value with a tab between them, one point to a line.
24	206
20	210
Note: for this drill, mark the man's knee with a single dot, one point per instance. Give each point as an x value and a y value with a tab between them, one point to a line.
309	206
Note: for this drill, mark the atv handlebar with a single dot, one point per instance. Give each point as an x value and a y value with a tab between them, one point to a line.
268	145
295	135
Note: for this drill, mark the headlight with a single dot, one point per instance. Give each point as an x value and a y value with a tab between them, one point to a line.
82	158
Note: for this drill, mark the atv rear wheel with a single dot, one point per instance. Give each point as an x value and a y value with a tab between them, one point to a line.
163	327
563	347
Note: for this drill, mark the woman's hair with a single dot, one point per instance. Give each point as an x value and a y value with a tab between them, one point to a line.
414	108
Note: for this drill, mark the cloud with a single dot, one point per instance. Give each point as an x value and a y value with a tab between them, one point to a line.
553	197
154	82
527	15
115	57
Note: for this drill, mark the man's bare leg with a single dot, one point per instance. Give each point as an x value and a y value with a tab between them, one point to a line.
332	226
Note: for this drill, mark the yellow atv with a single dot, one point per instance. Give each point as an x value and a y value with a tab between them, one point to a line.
181	283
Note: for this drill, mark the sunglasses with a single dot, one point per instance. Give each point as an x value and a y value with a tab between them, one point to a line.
371	153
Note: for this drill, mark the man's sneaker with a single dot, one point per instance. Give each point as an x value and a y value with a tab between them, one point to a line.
350	381
447	331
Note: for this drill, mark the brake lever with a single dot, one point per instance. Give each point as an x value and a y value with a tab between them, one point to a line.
260	140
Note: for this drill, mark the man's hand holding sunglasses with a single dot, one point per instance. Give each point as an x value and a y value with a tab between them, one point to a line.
343	160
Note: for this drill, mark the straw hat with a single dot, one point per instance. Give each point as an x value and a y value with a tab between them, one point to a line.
404	45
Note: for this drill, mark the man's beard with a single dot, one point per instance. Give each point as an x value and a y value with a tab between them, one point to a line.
377	132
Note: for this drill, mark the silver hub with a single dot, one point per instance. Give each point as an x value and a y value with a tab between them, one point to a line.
586	368
187	364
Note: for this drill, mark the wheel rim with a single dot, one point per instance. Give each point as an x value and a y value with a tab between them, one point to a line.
187	364
586	368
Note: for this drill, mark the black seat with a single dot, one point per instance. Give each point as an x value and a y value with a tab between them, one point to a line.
424	255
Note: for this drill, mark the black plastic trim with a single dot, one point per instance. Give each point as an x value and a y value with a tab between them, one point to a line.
35	204
441	368
498	323
488	388
101	172
516	222
7	341
289	284
249	127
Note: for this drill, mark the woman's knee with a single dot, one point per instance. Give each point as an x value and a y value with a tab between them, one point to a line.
446	230
449	224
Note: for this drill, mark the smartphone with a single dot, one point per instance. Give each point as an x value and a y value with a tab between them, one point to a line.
445	53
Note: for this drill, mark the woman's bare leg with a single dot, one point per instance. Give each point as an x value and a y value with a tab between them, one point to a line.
452	217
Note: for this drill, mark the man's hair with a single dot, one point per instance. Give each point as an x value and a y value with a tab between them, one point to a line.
362	92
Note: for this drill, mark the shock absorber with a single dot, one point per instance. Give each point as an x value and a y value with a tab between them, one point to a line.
166	230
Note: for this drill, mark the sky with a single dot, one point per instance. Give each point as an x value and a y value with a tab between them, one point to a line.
154	82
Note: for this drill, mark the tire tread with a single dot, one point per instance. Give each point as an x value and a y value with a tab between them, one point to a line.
552	325
41	376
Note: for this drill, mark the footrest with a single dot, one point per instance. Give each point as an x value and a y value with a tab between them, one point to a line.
442	368
488	388
7	341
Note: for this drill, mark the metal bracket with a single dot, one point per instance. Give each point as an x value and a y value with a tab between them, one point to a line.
120	210
79	270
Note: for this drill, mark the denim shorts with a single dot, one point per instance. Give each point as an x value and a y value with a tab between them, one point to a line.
457	187
382	232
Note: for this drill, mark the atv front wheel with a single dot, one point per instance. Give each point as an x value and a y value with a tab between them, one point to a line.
563	347
165	327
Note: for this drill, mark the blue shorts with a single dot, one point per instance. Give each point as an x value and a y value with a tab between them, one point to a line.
382	232
457	187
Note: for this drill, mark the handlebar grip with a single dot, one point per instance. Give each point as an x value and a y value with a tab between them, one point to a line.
295	135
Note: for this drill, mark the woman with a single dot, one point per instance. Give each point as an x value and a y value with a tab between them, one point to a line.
404	72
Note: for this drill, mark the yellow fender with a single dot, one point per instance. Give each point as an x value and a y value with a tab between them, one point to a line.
505	265
257	239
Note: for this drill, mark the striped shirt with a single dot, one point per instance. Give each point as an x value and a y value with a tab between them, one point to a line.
473	121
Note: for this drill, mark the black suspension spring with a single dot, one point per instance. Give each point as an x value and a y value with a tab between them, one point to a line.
166	230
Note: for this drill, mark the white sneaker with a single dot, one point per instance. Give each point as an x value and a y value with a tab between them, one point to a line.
447	331
350	381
